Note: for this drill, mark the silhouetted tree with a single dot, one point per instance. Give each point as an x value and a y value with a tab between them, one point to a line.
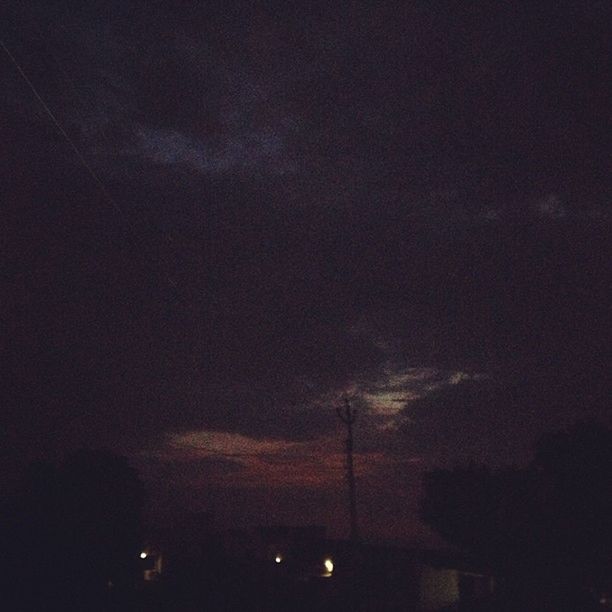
546	529
574	469
73	533
100	506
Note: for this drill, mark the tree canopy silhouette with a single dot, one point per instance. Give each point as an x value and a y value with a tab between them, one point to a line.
73	531
549	524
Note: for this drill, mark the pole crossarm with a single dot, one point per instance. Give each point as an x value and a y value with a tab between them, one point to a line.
348	415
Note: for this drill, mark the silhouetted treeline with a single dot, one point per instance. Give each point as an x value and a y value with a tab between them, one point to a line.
544	530
71	534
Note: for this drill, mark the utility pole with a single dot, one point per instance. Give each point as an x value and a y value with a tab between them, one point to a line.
348	416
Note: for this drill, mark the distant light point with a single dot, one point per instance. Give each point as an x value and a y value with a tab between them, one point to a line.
329	566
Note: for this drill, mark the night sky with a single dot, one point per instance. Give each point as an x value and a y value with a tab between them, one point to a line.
283	204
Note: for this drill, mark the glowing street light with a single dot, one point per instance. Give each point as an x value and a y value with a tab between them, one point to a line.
278	559
143	555
329	566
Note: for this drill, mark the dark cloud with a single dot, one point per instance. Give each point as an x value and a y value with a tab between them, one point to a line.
311	202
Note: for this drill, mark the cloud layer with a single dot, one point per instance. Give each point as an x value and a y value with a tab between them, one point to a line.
409	205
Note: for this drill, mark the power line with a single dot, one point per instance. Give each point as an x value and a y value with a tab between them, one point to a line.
62	131
73	146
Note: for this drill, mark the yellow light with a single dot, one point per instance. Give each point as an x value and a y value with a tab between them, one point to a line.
278	559
329	566
143	555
